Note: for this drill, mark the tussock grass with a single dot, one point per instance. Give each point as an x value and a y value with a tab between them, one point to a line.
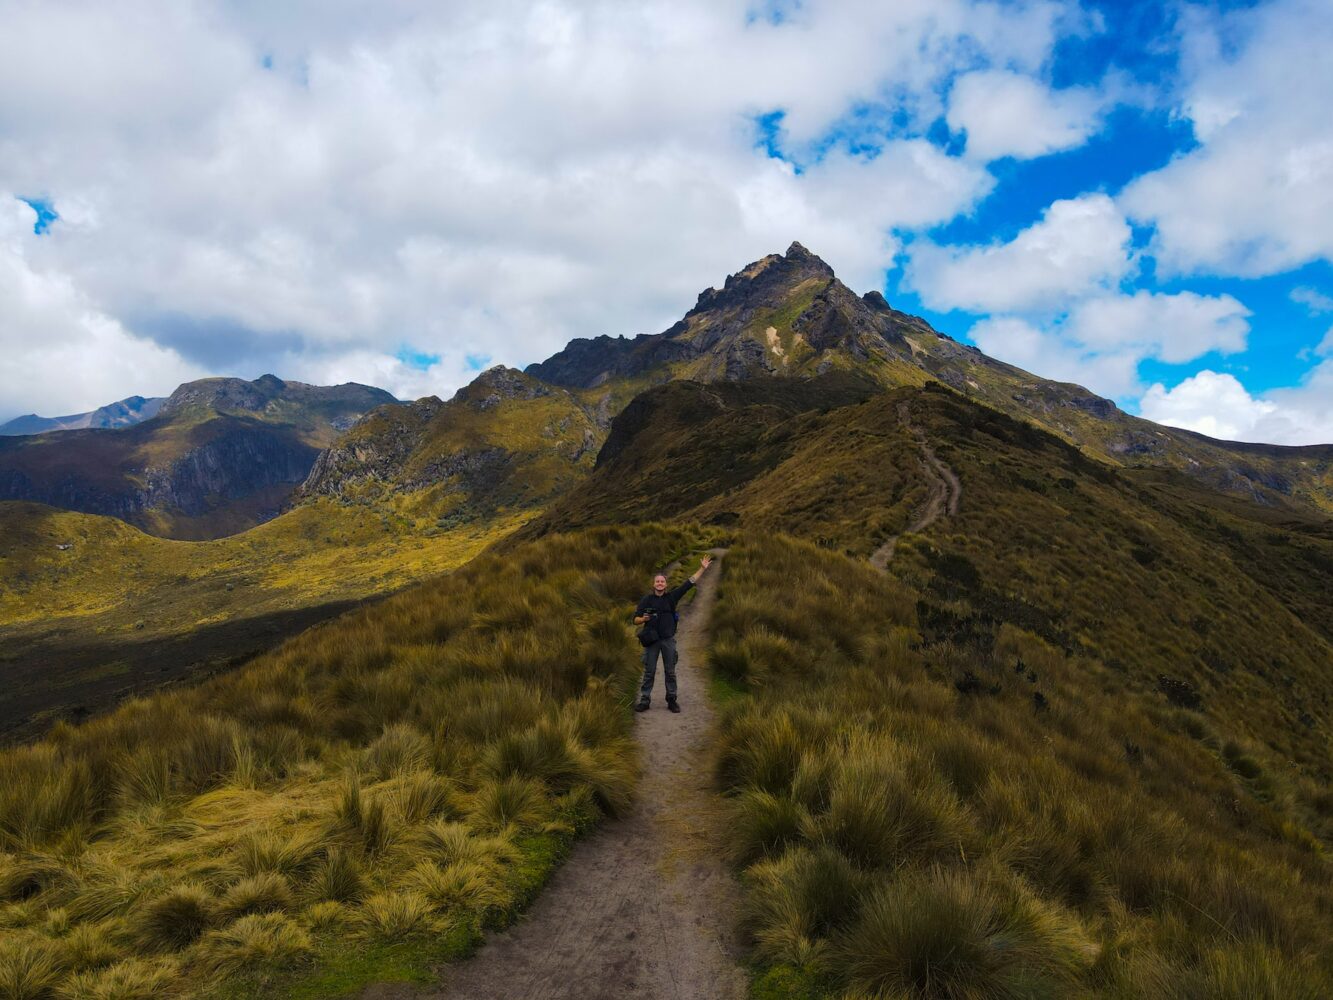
956	935
133	979
901	834
408	773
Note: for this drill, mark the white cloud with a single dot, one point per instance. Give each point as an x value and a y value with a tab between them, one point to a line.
474	177
1009	114
1313	299
1171	328
1045	352
1256	196
1216	404
1100	341
1079	246
58	353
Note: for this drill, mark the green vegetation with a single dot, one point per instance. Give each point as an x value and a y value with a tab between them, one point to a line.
912	822
93	609
399	779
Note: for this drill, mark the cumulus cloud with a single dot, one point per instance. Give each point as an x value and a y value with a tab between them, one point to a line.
251	184
1079	246
1172	328
58	353
1217	404
1009	114
1100	342
1043	350
1313	299
1256	196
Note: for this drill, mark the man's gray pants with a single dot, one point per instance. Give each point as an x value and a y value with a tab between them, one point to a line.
666	648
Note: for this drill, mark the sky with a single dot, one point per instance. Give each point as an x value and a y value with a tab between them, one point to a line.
1137	197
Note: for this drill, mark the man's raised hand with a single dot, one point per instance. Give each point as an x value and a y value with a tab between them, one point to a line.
705	562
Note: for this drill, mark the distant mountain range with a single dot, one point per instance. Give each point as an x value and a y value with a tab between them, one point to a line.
123	413
219	456
223	454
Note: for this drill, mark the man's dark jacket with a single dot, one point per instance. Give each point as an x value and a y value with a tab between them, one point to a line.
665	606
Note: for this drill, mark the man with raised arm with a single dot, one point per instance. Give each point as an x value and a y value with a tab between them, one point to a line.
656	614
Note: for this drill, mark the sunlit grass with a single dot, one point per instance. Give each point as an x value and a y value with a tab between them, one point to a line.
404	776
903	835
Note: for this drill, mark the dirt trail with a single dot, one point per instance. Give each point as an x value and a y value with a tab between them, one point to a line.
644	907
945	492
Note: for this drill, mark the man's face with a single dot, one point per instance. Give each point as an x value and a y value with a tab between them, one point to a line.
659	584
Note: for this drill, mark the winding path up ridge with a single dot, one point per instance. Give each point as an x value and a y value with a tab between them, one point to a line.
945	492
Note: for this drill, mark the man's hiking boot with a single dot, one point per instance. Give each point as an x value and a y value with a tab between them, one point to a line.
673	706
642	706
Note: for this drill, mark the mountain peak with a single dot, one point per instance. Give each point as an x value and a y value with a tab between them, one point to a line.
498	383
798	252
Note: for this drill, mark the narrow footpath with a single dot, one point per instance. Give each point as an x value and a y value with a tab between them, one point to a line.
644	907
945	491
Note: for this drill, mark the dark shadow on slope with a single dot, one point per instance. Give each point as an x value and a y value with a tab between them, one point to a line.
62	674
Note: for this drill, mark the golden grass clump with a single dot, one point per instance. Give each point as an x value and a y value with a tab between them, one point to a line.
132	979
955	934
911	822
177	917
257	940
412	768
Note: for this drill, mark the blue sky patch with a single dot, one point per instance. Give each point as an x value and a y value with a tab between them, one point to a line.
417	360
46	213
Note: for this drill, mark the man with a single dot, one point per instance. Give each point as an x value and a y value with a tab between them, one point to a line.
658	611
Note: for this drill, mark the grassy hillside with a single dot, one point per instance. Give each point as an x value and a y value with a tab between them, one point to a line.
353	807
505	442
1195	594
91	608
985	815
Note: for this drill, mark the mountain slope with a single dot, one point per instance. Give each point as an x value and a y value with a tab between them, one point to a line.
220	456
790	315
1157	577
505	442
123	413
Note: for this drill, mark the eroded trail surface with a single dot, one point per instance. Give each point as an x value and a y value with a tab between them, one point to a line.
644	907
945	492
